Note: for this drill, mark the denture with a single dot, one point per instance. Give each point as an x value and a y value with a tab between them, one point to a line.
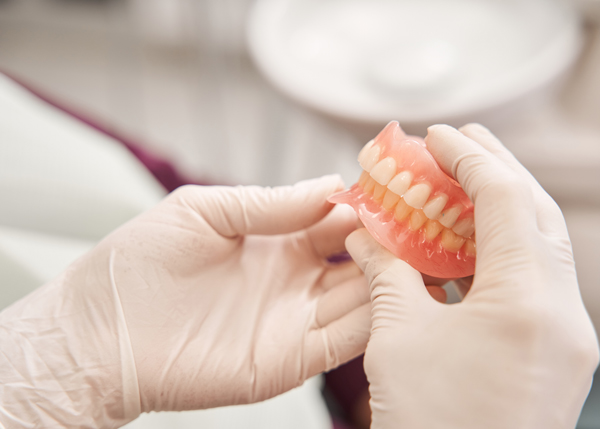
411	207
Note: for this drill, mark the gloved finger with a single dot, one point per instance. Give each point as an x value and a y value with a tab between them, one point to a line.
336	274
503	199
386	274
328	235
342	299
437	293
549	217
241	210
338	342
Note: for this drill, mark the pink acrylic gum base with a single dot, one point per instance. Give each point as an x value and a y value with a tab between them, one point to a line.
428	257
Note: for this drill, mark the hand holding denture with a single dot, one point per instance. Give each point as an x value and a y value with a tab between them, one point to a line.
520	350
217	296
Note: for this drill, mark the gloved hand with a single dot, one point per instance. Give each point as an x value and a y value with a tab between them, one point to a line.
217	296
520	350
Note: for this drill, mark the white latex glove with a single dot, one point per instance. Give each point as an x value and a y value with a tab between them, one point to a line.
217	296
519	351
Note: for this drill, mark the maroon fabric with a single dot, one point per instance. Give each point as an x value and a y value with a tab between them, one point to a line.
347	383
338	424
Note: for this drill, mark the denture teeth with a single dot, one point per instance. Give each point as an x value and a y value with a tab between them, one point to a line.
400	183
451	241
417	195
464	227
402	210
390	199
448	217
432	229
363	152
379	192
469	248
417	219
369	185
371	158
384	170
434	206
362	180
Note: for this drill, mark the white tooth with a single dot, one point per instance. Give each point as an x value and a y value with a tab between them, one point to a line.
448	217
400	184
417	195
434	206
371	158
384	170
464	227
364	150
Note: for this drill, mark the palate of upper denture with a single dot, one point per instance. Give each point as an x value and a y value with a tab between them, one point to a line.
412	207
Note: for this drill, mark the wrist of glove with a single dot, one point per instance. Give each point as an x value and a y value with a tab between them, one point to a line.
66	356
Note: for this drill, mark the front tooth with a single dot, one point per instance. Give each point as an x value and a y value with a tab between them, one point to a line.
400	183
451	241
417	196
363	152
448	217
379	192
417	219
432	229
470	248
384	170
465	227
434	206
402	210
390	200
371	158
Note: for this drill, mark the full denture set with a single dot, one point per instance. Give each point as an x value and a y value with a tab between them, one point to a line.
411	207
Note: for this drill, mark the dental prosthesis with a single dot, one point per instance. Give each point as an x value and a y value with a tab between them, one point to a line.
411	207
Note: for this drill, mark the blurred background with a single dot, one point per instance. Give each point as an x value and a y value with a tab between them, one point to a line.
108	104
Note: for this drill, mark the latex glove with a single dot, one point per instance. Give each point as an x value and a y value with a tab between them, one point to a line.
520	350
217	296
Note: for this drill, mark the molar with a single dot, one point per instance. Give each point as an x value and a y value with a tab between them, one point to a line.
400	183
465	227
448	217
417	195
384	170
451	241
363	152
434	206
371	158
390	199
